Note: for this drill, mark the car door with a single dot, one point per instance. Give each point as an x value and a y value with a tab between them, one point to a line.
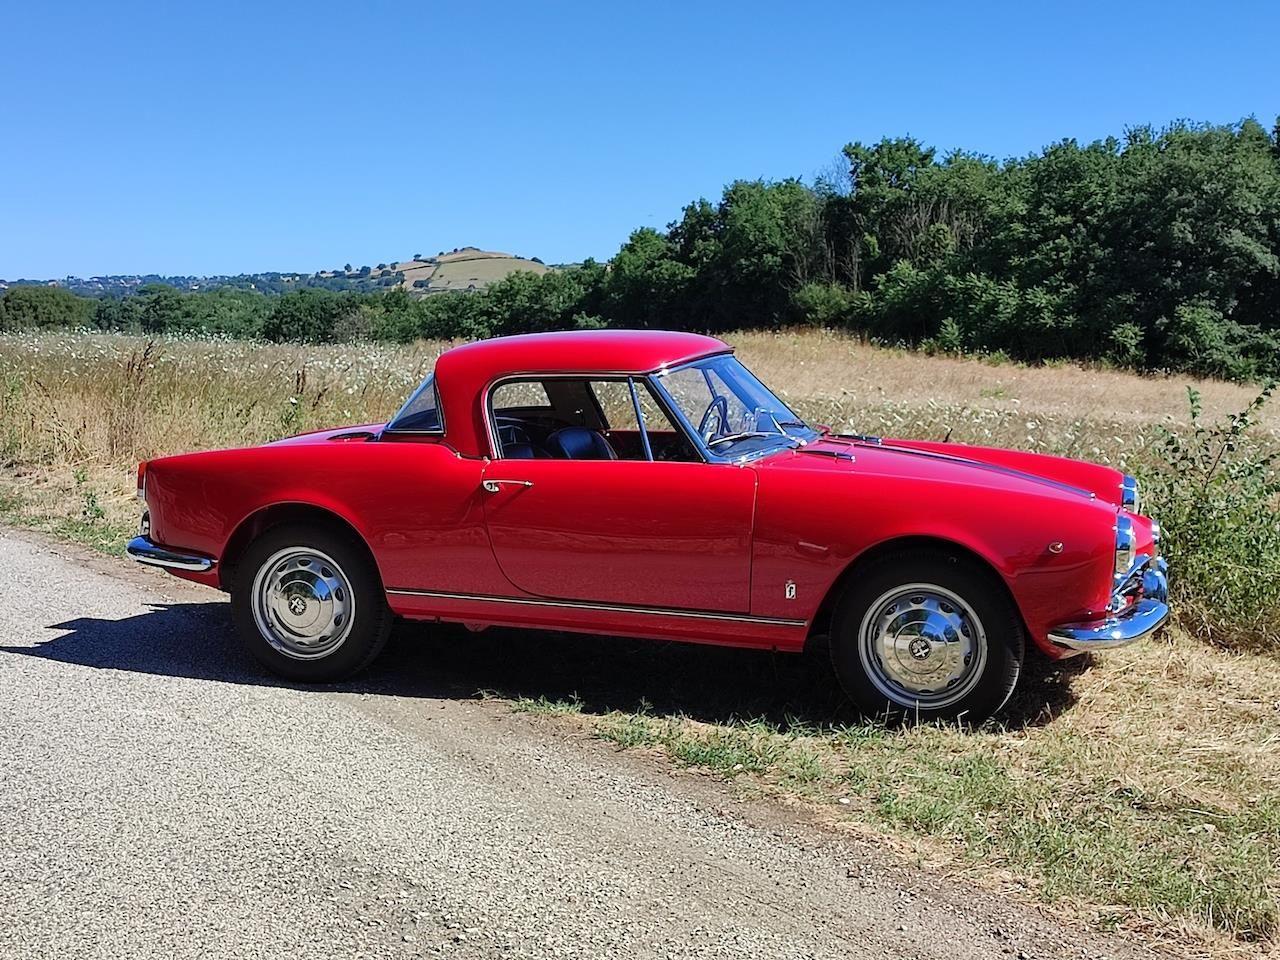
637	533
633	532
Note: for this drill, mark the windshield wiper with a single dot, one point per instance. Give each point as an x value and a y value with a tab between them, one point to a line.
745	435
749	435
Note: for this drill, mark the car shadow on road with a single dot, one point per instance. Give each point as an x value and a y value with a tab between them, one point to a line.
710	683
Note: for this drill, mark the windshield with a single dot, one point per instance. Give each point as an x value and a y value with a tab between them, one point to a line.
733	413
421	412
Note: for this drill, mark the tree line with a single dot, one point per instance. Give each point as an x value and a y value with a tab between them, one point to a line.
1158	250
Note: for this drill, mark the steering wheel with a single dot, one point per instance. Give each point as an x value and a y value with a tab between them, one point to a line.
720	407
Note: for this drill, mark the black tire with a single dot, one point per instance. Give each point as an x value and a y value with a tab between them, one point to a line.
369	622
996	641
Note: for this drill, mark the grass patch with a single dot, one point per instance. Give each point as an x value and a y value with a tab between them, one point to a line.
541	706
1141	806
68	507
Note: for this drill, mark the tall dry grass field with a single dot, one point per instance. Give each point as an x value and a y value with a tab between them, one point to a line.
107	401
1146	796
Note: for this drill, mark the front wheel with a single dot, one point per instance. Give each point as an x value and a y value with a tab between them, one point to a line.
930	636
308	603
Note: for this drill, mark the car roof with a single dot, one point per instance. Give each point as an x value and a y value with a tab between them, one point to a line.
465	371
577	351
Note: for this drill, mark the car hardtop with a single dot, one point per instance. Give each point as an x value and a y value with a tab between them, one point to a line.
464	373
633	352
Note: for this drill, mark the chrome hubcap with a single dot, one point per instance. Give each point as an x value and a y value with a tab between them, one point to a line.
922	646
302	603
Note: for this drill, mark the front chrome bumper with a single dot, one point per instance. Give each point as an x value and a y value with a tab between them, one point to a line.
1148	581
144	550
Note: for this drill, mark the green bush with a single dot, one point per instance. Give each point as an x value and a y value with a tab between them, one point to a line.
823	304
1214	491
29	307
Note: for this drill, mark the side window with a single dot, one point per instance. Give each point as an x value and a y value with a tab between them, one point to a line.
520	395
613	397
523	416
563	418
667	441
621	429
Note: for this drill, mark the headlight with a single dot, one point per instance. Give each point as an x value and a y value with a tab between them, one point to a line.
1126	546
1129	498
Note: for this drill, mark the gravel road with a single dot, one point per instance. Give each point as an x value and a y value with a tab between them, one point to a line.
163	798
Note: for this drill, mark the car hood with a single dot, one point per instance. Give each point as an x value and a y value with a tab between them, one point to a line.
958	463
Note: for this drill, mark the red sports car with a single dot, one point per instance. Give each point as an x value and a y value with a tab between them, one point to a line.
647	484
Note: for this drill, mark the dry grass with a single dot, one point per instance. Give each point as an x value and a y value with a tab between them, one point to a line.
1153	787
1147	798
1102	415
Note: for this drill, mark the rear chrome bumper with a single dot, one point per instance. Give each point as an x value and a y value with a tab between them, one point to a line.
1147	580
144	550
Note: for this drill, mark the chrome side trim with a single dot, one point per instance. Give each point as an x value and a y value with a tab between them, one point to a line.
602	607
145	551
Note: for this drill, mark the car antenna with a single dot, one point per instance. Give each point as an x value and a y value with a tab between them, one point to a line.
947	438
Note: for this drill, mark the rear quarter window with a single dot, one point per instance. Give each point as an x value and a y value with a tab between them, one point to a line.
421	412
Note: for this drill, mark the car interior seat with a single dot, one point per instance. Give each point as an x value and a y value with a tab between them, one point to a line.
580	443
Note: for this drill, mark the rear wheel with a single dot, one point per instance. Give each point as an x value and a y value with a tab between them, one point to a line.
927	635
308	603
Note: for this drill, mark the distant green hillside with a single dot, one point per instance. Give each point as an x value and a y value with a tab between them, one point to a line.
463	268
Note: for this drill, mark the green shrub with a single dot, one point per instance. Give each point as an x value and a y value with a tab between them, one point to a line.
1214	492
823	304
31	307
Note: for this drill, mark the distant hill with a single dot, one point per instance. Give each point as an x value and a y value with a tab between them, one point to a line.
460	269
467	268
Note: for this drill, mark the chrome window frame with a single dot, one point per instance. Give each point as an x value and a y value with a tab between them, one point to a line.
660	397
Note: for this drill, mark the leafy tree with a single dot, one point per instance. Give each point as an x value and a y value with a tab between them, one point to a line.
29	307
1159	249
308	315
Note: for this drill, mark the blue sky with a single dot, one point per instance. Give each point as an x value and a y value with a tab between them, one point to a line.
193	138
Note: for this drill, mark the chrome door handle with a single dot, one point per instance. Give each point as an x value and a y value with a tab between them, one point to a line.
493	486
